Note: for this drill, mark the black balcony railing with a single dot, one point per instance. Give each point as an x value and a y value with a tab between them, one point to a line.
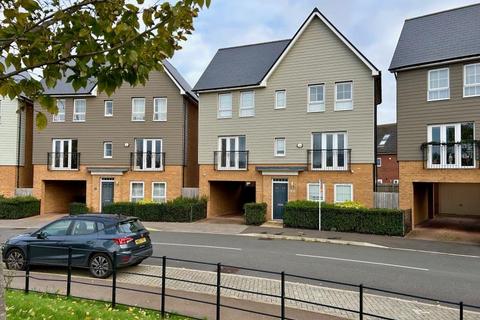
455	155
329	159
230	160
147	161
63	160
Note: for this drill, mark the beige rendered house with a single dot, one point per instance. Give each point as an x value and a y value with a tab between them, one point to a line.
138	144
437	66
277	117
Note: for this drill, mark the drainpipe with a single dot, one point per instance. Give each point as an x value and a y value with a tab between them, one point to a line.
19	137
185	137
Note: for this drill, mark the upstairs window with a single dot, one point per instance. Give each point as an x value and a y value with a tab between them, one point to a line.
79	110
108	108
107	150
344	96
280	147
138	109
438	84
224	105
471	86
316	98
247	104
379	162
60	116
280	99
160	109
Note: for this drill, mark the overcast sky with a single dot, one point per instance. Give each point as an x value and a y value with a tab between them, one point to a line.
373	26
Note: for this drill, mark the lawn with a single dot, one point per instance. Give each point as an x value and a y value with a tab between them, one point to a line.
43	306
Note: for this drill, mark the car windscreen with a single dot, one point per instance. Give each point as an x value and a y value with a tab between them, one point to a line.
130	226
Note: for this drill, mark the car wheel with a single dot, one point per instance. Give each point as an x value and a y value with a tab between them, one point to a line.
100	265
15	260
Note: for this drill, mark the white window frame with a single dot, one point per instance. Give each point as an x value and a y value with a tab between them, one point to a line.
146	165
316	103
384	140
75	113
105	143
56	117
465	85
228	153
438	89
275	147
379	162
324	149
220	109
339	101
276	99
243	108
458	155
62	151
323	191
105	108
162	199
131	191
335	191
162	116
138	113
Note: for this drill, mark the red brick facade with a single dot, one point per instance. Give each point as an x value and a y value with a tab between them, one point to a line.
388	169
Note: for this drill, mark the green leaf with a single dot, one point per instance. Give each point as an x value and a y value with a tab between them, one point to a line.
41	120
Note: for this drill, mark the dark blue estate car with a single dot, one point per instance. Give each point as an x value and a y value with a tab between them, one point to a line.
93	239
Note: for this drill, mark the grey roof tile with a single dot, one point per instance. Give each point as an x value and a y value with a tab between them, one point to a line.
390	146
438	37
240	66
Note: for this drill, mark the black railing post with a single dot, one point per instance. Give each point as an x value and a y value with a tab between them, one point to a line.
282	294
164	274
461	310
360	311
219	278
69	271
27	270
114	280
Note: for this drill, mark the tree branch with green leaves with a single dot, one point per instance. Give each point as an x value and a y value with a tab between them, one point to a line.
112	41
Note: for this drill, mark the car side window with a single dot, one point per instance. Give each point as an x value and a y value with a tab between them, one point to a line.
58	228
83	227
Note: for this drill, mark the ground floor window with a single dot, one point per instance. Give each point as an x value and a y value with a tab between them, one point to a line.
136	191
159	192
314	193
343	192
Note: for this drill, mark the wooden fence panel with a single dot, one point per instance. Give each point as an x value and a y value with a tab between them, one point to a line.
190	192
388	200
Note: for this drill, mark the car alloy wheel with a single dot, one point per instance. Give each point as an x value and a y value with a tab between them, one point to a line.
15	260
100	266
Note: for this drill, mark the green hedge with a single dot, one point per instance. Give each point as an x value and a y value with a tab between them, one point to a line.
255	213
78	208
304	214
19	207
177	210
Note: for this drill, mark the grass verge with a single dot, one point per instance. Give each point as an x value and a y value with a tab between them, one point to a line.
45	306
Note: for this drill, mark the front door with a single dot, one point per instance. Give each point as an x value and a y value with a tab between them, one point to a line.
107	192
280	198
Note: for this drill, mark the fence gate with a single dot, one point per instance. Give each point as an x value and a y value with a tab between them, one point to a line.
388	200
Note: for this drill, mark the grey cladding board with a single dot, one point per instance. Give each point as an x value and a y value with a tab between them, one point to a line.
439	37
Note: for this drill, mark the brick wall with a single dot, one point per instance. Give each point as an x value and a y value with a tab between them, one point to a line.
8	176
388	171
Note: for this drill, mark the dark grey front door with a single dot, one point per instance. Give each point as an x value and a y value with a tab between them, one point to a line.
280	197
107	192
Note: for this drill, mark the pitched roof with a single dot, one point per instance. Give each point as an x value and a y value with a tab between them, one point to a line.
251	65
390	146
438	37
240	66
65	88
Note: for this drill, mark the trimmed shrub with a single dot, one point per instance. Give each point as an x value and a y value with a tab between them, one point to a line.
177	210
304	214
255	213
19	207
78	208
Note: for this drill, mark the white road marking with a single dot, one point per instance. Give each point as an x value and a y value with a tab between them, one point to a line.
436	252
195	246
361	261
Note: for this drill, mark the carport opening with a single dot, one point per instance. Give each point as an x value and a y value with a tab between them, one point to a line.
227	198
454	206
59	195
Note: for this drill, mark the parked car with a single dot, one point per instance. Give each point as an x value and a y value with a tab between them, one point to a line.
93	239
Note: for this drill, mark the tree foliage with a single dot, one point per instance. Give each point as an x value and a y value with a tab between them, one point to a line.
109	40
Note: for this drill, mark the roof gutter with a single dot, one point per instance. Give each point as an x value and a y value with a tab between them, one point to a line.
434	63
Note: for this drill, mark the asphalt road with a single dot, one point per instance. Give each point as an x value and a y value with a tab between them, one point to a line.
439	276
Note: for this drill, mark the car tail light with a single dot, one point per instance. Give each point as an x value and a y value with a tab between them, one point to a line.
121	241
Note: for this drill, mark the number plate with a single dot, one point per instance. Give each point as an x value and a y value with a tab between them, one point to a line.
140	241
